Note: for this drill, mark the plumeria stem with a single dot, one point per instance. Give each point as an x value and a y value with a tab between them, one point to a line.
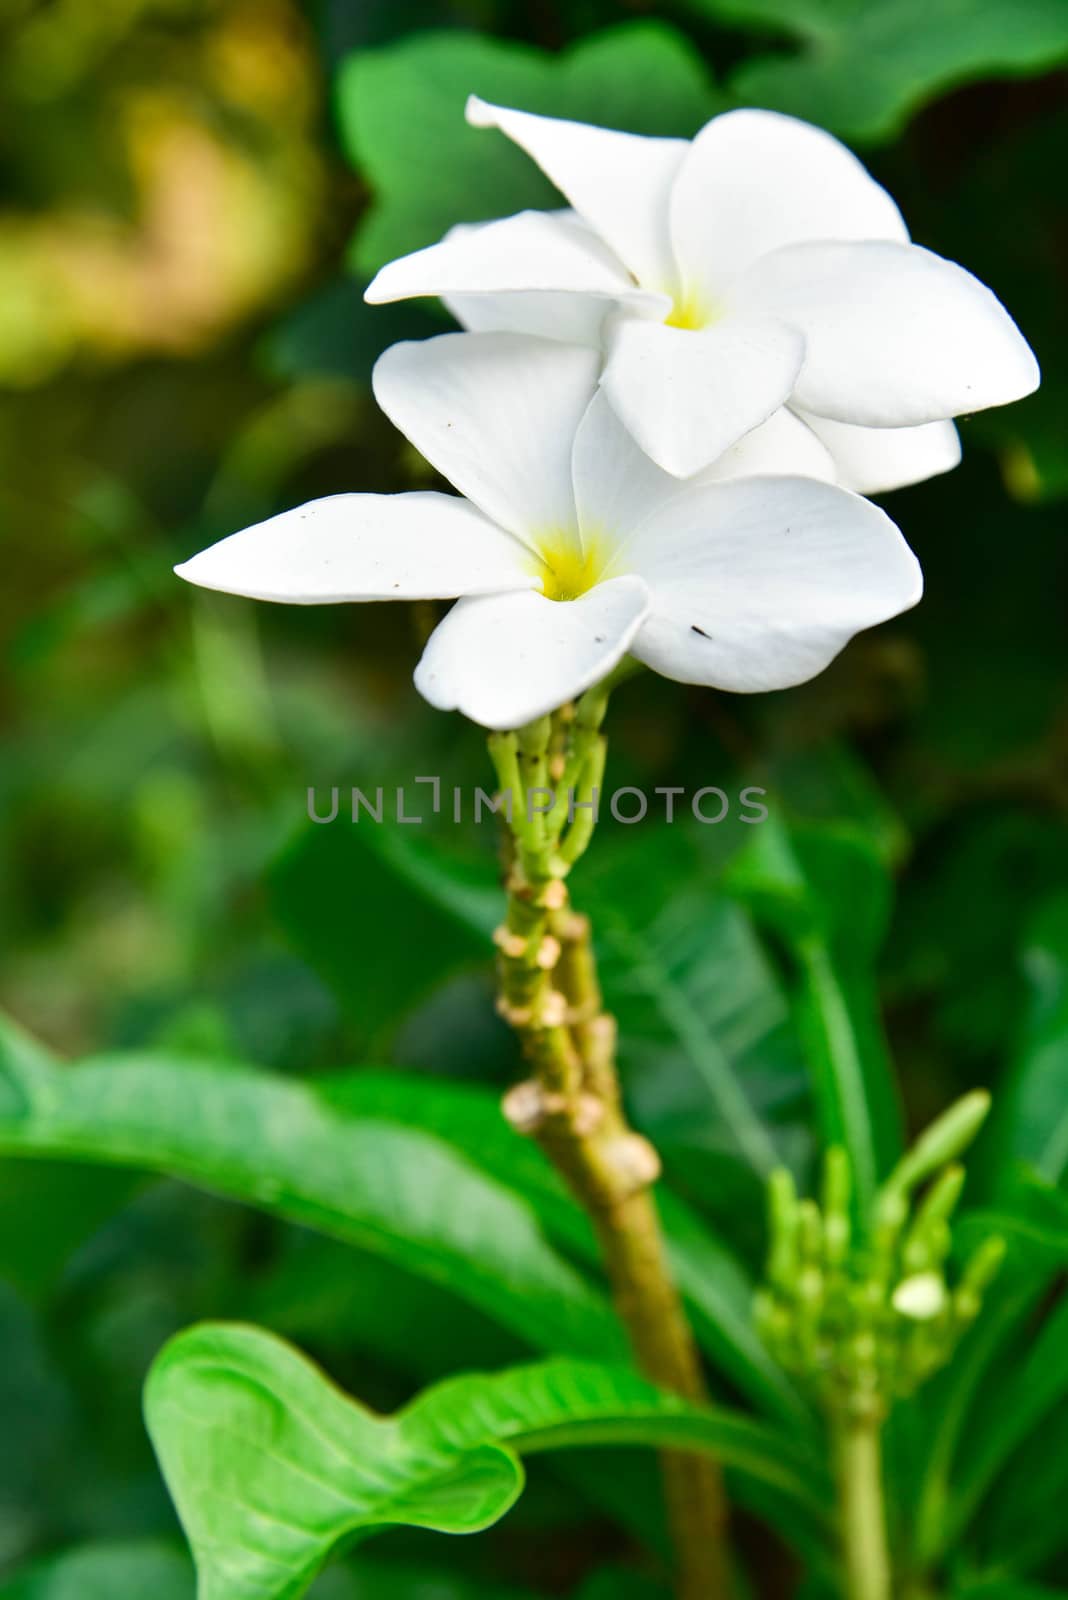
572	1104
862	1516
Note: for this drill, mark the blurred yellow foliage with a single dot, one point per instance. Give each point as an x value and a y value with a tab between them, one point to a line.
219	155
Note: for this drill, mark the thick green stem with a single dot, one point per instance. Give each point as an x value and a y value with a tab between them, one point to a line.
861	1510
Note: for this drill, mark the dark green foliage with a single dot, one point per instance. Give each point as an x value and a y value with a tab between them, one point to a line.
895	936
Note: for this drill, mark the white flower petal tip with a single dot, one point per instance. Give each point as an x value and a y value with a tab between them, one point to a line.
753	181
758	583
895	336
505	659
531	252
620	183
478	112
687	396
348	547
876	460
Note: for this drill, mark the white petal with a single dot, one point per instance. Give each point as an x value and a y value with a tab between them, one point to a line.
689	395
568	318
505	659
366	547
758	583
894	334
754	180
616	484
873	460
529	251
784	445
496	413
620	182
571	318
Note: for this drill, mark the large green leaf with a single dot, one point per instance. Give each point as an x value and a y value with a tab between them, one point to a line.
825	893
1006	1589
270	1465
1031	1123
864	65
66	1203
1031	1217
402	120
136	1569
320	1292
961	1390
705	1039
383	960
286	1147
717	1289
699	1006
1022	1527
337	334
1030	1392
381	1161
703	1018
106	1572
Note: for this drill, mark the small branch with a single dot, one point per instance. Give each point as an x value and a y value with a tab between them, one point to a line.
572	1106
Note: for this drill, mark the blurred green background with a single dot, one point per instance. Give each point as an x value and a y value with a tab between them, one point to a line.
194	192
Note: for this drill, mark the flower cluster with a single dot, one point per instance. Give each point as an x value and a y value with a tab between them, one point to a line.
661	418
856	1302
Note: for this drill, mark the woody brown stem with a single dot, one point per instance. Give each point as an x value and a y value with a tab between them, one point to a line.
572	1106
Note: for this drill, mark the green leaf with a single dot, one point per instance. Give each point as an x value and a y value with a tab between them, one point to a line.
1031	1217
717	1289
825	893
270	1465
318	1291
1022	1526
703	1019
702	1014
948	1414
402	120
67	1204
1031	1124
377	962
1006	1589
106	1571
693	991
390	1580
136	1569
1029	1392
336	333
866	65
621	1584
287	1148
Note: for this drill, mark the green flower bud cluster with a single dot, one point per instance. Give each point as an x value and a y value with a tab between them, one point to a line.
859	1308
552	770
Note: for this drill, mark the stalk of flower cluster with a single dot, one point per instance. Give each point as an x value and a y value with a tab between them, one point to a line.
572	1105
857	1305
862	1515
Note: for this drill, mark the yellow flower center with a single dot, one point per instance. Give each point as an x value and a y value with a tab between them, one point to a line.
690	311
566	571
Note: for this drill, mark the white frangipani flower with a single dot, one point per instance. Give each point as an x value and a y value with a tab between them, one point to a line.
571	547
758	264
866	460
